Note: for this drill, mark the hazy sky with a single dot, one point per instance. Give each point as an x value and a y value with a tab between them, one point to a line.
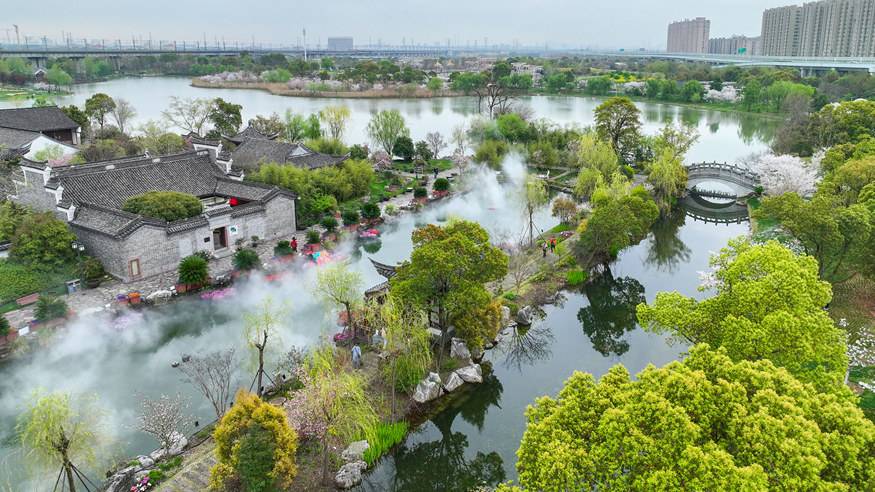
604	23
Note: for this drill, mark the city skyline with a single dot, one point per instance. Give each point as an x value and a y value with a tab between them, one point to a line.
557	23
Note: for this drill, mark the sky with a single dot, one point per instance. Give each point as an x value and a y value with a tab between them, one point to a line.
572	23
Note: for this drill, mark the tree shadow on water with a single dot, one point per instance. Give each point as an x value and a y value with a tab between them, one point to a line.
667	251
611	312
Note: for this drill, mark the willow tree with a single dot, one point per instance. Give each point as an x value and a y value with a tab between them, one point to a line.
706	423
57	431
447	273
336	398
341	286
668	176
335	118
386	127
262	326
768	304
536	196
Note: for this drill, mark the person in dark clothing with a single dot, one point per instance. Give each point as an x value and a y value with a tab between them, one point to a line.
294	244
435	173
544	249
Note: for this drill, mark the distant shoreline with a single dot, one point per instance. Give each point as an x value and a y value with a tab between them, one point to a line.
281	90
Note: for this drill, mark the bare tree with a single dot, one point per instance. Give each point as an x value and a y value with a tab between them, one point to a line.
436	143
123	113
520	267
163	418
261	326
211	375
493	99
460	138
189	114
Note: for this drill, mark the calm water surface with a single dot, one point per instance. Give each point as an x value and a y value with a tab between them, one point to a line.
474	441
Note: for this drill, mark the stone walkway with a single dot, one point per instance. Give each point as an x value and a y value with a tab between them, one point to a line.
195	471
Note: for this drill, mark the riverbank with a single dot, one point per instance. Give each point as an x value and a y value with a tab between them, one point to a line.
279	89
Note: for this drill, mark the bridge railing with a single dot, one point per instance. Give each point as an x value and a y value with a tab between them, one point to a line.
730	168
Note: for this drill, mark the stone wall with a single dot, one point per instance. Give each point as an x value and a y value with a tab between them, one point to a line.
32	191
281	213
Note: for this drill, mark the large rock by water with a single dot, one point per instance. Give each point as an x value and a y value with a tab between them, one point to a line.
350	475
355	451
453	382
505	315
459	350
428	389
470	374
525	316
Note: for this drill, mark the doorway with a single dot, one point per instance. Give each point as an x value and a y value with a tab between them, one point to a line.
220	238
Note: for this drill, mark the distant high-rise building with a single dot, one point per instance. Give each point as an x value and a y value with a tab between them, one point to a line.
824	28
689	36
735	45
340	44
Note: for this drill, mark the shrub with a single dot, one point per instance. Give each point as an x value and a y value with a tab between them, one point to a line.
391	209
92	270
627	171
441	184
282	248
255	447
381	439
313	237
575	278
370	211
18	280
193	270
404	148
491	152
350	217
50	307
246	259
165	205
329	223
43	243
358	152
420	192
4	326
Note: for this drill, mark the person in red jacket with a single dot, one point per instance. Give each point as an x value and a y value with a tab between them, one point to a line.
294	244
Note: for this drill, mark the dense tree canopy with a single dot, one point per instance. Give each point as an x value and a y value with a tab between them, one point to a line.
164	205
707	423
768	305
618	122
42	242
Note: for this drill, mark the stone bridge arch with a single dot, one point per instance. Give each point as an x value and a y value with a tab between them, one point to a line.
740	180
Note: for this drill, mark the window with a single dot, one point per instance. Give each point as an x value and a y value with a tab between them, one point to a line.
134	267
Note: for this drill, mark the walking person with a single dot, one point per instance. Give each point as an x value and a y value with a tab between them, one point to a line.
294	244
553	245
356	356
436	173
544	249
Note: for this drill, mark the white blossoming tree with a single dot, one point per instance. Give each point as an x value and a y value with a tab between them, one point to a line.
781	174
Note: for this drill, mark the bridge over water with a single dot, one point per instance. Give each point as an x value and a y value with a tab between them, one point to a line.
728	212
740	180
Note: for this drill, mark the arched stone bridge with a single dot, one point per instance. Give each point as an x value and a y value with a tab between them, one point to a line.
740	180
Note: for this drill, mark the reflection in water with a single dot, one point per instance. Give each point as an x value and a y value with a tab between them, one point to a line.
611	312
525	345
372	246
667	250
691	116
441	464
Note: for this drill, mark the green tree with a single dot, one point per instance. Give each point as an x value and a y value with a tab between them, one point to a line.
341	286
404	148
677	140
835	235
448	271
513	127
768	304
255	447
155	140
336	398
57	431
599	86
435	84
246	259
491	153
595	153
98	106
620	218
423	151
707	423
58	77
193	270
618	122
692	91
226	117
77	115
262	327
668	176
165	205
335	118
386	128
4	326
535	196
43	242
11	216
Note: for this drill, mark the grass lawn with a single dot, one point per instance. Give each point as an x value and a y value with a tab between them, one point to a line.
407	166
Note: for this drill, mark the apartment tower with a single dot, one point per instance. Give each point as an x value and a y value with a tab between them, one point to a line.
830	28
689	36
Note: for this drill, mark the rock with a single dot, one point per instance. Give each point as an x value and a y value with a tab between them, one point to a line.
159	295
459	350
157	454
355	451
350	475
470	374
434	377
453	382
525	315
427	390
505	315
145	461
179	444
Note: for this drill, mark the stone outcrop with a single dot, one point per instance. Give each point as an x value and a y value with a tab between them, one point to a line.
505	315
525	316
459	350
470	374
453	382
355	451
428	389
350	475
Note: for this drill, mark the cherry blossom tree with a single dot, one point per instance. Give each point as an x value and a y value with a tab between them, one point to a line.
163	417
781	174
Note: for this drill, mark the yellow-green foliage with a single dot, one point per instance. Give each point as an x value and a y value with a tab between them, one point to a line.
382	438
250	415
706	423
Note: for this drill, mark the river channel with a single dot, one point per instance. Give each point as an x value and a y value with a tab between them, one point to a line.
474	440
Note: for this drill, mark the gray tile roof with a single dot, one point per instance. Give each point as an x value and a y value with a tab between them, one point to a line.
11	138
36	119
100	189
254	152
249	133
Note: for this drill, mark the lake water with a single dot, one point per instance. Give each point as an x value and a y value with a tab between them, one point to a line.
476	438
